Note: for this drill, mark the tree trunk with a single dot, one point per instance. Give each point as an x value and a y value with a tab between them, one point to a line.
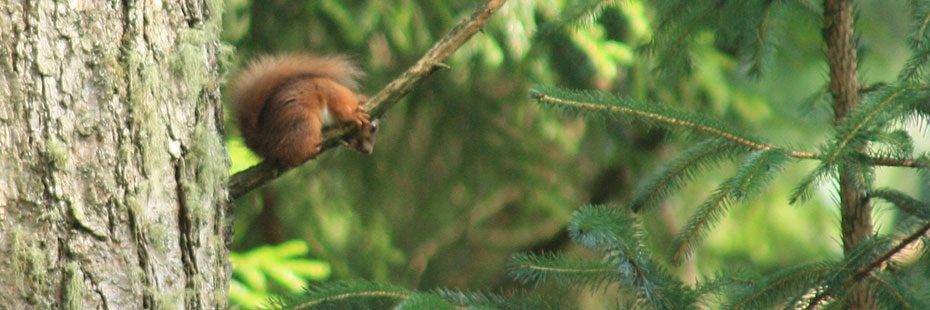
855	211
112	166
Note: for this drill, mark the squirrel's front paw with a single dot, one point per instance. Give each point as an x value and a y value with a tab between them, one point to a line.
362	119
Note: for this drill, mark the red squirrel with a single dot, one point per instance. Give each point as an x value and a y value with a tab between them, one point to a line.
283	103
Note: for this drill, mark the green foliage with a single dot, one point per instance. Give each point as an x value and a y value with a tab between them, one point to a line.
918	67
239	155
479	300
829	282
599	104
891	144
615	234
344	295
745	27
468	163
895	293
567	271
779	287
865	136
424	302
445	153
869	122
711	291
903	202
373	295
872	115
676	173
261	272
838	282
751	177
581	14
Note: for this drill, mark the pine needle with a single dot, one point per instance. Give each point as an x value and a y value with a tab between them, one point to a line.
751	177
904	202
564	270
805	189
779	288
918	66
617	234
673	175
891	293
582	13
600	104
343	293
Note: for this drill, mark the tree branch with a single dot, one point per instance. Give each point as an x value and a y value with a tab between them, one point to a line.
878	161
256	176
877	262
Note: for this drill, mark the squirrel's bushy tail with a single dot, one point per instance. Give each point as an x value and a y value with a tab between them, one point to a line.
264	75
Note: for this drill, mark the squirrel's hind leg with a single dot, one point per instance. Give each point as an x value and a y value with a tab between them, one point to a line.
302	141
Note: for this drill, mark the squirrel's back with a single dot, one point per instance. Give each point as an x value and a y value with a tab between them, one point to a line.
267	74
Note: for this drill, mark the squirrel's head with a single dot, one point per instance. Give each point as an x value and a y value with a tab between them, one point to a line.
364	140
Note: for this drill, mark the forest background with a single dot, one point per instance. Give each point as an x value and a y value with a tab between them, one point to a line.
469	171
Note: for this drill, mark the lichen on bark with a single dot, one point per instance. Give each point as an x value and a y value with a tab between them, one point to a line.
104	174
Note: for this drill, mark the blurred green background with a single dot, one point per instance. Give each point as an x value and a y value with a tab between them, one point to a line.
468	171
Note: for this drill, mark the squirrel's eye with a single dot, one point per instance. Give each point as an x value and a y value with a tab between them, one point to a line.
374	126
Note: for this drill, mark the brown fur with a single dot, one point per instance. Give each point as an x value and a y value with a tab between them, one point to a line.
280	99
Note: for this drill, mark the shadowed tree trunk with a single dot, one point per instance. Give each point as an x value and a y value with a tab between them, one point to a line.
112	166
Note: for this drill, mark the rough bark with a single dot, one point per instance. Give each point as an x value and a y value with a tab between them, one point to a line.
855	211
112	167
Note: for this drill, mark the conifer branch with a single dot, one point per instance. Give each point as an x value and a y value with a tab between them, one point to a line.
916	68
903	202
245	181
359	294
894	292
797	279
895	162
861	273
583	12
481	300
341	292
660	118
844	141
674	174
564	270
761	33
666	119
616	234
887	286
922	30
758	169
874	264
804	190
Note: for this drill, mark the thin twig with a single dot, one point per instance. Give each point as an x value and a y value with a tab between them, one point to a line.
878	161
256	176
877	262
